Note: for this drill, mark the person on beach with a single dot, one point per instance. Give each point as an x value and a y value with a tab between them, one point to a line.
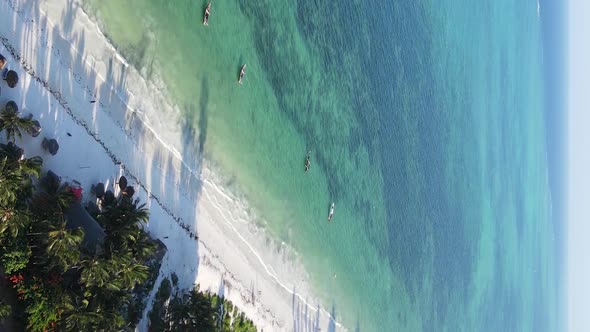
3	68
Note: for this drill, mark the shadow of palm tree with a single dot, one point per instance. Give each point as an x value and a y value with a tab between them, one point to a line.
203	115
332	322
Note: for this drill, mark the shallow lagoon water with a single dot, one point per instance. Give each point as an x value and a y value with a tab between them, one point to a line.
426	125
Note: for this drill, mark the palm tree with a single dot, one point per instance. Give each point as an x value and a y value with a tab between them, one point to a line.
48	205
15	154
15	161
111	319
13	124
116	274
207	315
143	247
121	222
12	151
63	246
128	272
85	317
13	220
15	174
125	213
5	309
31	166
180	316
10	181
15	187
98	273
81	319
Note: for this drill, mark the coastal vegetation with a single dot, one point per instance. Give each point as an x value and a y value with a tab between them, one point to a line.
62	280
175	310
65	278
63	283
12	124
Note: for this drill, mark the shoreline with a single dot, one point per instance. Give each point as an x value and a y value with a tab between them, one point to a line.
219	217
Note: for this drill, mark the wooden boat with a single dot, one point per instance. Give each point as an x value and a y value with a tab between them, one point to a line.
242	73
207	12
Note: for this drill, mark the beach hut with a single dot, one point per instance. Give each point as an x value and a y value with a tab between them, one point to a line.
109	197
51	182
99	190
92	208
77	217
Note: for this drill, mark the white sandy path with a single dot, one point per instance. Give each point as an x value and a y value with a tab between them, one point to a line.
70	63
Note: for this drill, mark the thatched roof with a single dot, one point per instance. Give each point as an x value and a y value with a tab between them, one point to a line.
77	216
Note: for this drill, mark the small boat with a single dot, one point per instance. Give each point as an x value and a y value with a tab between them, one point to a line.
331	214
207	12
242	73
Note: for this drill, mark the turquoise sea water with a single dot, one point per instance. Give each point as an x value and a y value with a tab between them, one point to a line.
426	124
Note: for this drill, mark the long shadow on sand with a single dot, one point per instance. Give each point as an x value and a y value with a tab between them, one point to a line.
331	322
306	320
72	84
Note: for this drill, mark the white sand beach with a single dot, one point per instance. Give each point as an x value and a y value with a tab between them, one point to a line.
109	122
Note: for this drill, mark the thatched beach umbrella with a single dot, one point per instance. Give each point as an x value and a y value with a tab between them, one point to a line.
122	183
12	151
109	197
51	182
11	106
93	209
99	190
53	147
129	191
35	129
50	145
11	78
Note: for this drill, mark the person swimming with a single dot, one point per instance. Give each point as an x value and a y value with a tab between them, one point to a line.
308	161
